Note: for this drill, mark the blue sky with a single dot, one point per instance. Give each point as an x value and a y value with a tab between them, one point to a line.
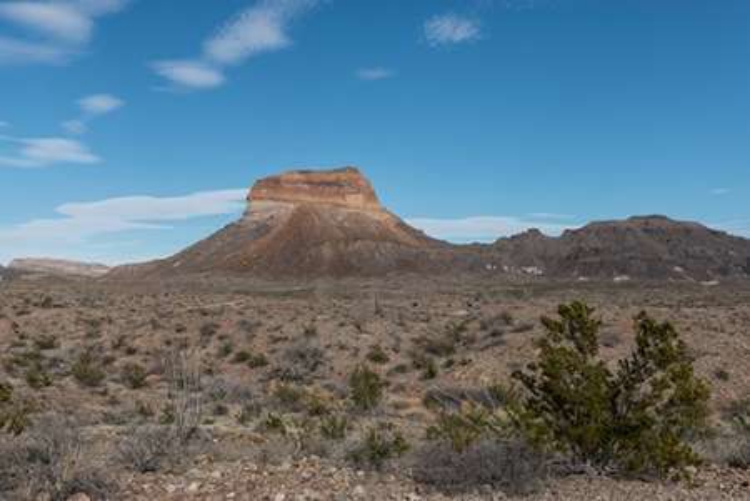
129	129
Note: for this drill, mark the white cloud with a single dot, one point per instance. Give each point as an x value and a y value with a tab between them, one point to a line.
375	73
190	74
65	26
720	192
100	104
483	228
14	51
256	30
59	20
47	151
91	107
448	29
79	223
4	125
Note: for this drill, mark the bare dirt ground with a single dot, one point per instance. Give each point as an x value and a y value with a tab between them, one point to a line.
264	369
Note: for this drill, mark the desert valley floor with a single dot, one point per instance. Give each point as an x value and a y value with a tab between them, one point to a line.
269	365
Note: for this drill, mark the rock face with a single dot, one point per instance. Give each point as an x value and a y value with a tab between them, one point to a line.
58	267
309	223
654	247
346	188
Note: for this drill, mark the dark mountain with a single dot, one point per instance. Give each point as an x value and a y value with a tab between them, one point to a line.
640	247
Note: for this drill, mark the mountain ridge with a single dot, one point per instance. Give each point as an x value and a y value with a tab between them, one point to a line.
308	223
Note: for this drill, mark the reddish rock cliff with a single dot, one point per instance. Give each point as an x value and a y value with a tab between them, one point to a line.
346	188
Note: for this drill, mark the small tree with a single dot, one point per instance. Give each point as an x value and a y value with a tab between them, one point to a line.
637	419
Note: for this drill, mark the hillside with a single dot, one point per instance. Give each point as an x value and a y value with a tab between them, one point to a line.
653	247
308	223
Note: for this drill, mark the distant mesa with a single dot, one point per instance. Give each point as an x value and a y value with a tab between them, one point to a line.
58	267
309	223
320	223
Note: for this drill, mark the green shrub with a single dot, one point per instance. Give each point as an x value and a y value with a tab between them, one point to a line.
291	398
37	378
381	444
334	427
241	357
460	429
377	355
45	342
225	349
638	418
87	370
365	388
134	375
14	414
257	361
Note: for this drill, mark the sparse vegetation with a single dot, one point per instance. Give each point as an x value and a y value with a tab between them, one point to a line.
334	427
380	445
273	404
87	370
15	414
146	449
134	375
510	465
365	388
53	461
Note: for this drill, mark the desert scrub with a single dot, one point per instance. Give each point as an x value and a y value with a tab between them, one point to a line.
460	429
334	427
510	465
45	342
377	355
37	378
637	419
133	375
365	388
87	370
15	414
146	449
381	444
257	360
54	461
242	357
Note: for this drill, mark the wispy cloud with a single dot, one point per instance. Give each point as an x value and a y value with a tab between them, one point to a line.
56	30
4	125
100	104
45	152
190	74
257	30
720	192
375	73
91	107
451	29
78	223
484	228
14	51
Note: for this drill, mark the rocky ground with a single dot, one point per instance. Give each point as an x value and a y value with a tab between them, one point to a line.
269	364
